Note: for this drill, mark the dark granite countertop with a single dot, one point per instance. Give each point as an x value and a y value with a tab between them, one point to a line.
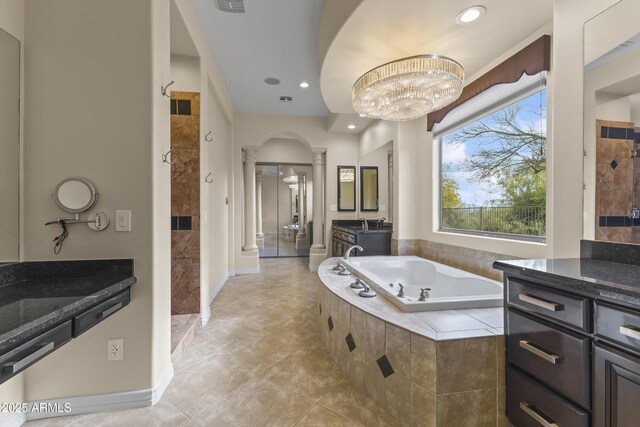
595	278
36	296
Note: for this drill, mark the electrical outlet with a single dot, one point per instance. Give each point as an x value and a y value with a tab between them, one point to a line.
115	350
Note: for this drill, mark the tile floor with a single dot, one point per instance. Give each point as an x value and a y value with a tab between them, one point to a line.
258	362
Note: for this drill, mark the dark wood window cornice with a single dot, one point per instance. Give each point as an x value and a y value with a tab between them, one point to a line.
531	60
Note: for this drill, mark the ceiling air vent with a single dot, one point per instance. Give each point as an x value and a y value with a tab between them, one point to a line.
286	99
233	6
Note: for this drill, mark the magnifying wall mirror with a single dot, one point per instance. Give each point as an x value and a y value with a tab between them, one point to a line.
346	188
75	195
369	188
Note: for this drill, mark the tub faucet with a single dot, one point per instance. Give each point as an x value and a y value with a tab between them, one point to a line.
401	291
358	284
347	253
365	224
367	292
424	294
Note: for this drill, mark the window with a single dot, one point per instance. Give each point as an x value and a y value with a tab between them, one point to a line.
493	164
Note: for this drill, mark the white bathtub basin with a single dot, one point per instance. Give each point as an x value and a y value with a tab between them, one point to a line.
450	288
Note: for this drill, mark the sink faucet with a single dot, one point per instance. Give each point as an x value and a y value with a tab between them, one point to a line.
347	253
365	224
381	223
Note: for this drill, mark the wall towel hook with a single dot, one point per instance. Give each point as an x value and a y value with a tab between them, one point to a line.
208	179
208	137
166	158
164	89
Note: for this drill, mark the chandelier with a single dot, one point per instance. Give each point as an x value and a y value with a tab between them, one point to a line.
408	88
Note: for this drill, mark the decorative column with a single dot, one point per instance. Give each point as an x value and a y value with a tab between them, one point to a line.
318	191
390	186
301	238
250	199
259	233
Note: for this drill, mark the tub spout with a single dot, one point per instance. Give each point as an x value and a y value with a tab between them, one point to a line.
401	291
347	253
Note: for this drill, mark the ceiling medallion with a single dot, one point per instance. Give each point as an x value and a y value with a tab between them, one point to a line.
408	88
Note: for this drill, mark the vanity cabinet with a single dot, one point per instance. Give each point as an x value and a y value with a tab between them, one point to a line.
571	359
374	242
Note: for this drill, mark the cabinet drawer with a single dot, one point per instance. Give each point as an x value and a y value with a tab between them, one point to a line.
95	315
616	388
618	325
557	358
531	404
559	306
30	352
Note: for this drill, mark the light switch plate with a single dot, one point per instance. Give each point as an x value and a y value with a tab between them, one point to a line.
123	220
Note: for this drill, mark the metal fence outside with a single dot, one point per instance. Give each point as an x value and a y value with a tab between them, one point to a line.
521	220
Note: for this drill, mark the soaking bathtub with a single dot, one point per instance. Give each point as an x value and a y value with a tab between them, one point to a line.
450	288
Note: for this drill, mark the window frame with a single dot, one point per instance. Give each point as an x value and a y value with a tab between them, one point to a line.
477	115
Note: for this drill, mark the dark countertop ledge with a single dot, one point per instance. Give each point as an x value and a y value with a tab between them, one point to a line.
594	278
45	294
359	230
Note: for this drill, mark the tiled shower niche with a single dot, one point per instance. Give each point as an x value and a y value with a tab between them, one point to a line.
617	182
185	203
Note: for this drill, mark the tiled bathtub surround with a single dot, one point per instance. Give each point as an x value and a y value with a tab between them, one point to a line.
185	203
471	260
427	369
616	176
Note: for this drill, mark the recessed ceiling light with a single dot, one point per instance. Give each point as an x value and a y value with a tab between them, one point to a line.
470	14
272	81
304	85
351	126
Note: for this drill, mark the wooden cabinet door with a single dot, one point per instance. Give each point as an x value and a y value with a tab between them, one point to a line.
616	388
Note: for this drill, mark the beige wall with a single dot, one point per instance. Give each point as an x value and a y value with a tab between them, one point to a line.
75	128
185	71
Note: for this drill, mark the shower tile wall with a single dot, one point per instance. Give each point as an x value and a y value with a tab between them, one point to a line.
615	179
185	203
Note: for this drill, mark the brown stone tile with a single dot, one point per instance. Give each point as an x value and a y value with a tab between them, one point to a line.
375	336
398	398
195	198
423	407
374	381
348	401
468	364
320	416
181	244
398	349
181	198
309	373
181	167
423	362
258	402
359	328
185	132
470	409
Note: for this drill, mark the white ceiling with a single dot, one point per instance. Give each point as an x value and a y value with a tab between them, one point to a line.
380	31
274	38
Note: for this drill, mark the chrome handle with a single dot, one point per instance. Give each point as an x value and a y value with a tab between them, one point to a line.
551	306
551	358
13	367
109	311
630	331
527	409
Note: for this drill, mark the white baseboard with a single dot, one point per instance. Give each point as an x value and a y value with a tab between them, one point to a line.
216	290
246	271
94	403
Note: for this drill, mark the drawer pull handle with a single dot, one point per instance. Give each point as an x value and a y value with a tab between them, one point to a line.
13	367
109	311
551	306
527	409
551	358
630	331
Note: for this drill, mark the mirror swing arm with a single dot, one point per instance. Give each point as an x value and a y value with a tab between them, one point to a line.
68	193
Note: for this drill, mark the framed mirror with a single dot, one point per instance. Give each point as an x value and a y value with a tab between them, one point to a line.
369	188
75	195
346	188
612	126
9	148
